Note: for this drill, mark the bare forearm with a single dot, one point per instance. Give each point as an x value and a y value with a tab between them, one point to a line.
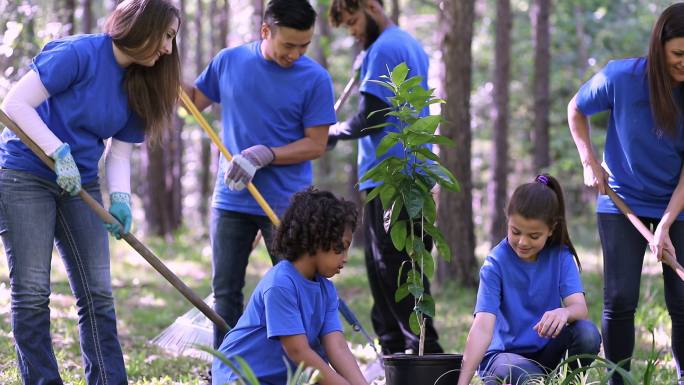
476	347
676	204
299	151
345	364
579	128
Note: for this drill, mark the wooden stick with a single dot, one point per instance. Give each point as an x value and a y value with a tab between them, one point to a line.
668	258
138	246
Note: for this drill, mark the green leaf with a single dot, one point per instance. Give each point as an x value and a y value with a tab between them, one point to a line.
419	138
413	201
401	293
386	143
428	264
247	371
427	154
427	124
398	235
429	209
378	111
427	306
416	288
399	73
443	140
385	84
414	323
396	210
377	126
411	82
444	250
374	193
443	176
387	193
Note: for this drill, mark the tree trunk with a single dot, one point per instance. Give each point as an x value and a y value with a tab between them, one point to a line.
496	187
87	18
456	23
323	167
582	51
257	16
395	12
542	62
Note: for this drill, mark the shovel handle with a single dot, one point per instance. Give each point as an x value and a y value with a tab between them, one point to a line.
138	246
668	258
190	106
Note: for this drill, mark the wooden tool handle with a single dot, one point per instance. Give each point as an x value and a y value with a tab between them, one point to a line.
668	258
138	246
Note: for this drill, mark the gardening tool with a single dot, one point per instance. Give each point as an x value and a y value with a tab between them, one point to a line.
191	329
356	67
668	258
138	246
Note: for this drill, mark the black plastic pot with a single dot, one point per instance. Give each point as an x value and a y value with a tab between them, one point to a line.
430	369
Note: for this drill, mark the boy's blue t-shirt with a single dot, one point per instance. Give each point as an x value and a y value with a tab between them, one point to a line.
518	293
88	103
264	103
644	168
392	47
284	303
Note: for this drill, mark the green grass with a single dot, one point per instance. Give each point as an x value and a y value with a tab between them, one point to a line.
146	304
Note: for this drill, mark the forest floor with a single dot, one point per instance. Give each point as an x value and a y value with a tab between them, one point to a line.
147	304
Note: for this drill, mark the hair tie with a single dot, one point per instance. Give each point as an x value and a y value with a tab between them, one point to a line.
543	179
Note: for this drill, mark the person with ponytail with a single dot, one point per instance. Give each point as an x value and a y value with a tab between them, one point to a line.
530	309
643	161
80	91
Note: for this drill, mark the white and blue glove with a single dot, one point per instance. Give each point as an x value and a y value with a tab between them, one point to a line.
68	177
242	168
120	208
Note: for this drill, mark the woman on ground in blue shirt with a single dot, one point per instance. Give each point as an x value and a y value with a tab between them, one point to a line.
292	313
530	306
642	162
80	91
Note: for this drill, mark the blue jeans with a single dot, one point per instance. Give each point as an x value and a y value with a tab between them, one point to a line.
579	337
34	212
232	236
623	257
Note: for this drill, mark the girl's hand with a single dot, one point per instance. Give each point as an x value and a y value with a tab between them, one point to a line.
595	176
552	322
662	243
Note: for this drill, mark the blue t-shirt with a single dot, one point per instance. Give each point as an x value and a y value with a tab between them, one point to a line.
392	47
284	303
88	103
518	293
264	103
643	168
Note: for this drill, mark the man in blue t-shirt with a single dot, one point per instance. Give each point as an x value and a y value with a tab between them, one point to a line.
386	46
277	105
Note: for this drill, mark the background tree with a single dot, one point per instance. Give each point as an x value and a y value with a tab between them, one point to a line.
456	27
539	17
497	186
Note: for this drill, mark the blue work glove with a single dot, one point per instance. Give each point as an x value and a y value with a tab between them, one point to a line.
120	208
68	177
242	168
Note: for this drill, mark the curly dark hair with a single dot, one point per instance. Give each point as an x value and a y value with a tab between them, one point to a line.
316	220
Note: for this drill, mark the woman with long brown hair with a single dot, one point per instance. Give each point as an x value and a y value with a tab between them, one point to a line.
79	92
642	162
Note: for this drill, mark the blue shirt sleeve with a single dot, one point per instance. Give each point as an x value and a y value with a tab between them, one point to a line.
597	94
133	131
320	106
570	282
331	321
379	64
282	312
57	65
489	291
209	80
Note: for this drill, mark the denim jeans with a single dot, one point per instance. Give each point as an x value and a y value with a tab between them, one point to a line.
623	257
34	212
232	235
579	337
